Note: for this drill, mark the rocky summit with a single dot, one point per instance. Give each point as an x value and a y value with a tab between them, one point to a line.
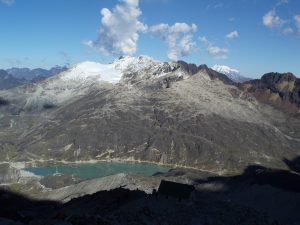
279	90
140	109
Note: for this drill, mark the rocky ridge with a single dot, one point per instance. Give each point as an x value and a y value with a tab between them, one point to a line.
279	90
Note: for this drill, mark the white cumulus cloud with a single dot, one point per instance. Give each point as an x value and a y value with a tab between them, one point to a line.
232	35
119	30
8	2
271	20
178	37
217	51
214	50
297	21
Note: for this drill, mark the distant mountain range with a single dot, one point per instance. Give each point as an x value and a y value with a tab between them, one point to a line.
17	76
8	81
31	74
232	74
138	108
14	77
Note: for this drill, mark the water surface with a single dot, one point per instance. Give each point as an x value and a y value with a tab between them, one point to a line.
100	169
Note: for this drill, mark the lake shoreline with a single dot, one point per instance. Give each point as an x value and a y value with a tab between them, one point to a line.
93	170
52	162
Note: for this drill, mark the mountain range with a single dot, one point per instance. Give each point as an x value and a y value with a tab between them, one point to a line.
14	77
31	74
8	81
140	109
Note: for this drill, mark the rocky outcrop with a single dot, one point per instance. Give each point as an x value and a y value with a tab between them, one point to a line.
215	75
188	67
281	90
193	69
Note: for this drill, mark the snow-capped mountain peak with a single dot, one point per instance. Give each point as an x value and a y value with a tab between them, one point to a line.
134	64
232	74
225	69
93	70
111	73
86	76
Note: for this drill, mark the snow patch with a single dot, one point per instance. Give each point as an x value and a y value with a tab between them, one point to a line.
225	69
93	70
111	73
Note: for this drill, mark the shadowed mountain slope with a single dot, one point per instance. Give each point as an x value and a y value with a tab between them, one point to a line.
255	197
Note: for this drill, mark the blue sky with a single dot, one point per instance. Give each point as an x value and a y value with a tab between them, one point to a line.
262	35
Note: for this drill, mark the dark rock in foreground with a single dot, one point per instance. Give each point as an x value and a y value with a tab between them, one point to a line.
122	206
259	195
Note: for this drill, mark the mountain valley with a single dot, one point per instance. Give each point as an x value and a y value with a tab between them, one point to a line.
145	110
232	142
149	112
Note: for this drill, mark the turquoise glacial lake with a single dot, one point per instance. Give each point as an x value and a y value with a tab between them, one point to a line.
101	169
